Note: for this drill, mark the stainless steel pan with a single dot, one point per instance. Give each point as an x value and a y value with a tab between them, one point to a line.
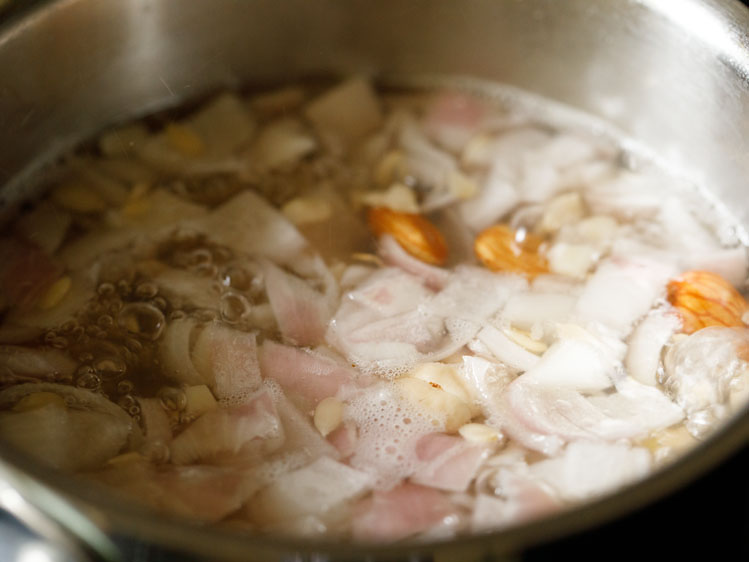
671	74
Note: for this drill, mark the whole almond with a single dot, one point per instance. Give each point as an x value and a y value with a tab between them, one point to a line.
415	234
705	299
500	248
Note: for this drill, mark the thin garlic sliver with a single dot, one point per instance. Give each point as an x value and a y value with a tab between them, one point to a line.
78	198
523	339
307	210
199	401
445	376
479	433
564	209
184	140
461	186
56	292
430	396
397	197
328	415
392	167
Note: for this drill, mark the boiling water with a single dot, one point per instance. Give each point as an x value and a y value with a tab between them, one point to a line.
213	274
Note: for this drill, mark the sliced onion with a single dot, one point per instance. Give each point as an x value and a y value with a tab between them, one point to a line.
175	352
315	489
79	432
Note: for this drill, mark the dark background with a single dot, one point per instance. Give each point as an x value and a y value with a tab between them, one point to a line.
708	520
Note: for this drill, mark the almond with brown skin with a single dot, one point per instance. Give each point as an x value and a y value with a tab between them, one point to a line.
414	233
705	299
500	248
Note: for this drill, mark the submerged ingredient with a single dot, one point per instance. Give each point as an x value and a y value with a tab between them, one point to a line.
366	315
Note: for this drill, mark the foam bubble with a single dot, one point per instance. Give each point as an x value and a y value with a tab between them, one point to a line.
389	427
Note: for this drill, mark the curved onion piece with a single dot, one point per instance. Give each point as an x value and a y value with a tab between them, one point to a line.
702	372
646	343
621	291
400	512
524	497
249	224
79	430
543	418
253	428
315	489
305	374
227	360
302	313
156	423
431	166
202	493
208	141
587	469
36	362
448	463
282	145
175	355
497	197
349	111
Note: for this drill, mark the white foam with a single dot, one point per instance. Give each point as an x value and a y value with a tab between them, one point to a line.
389	427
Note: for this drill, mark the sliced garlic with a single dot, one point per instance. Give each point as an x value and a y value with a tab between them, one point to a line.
478	151
480	433
397	197
667	443
366	257
199	401
307	210
461	186
676	338
184	140
562	210
37	400
391	168
282	144
328	415
445	376
524	339
598	229
54	295
137	208
433	399
337	269
139	191
574	260
78	198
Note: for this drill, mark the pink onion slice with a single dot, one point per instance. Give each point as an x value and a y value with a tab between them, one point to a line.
306	374
227	358
448	463
221	433
398	513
